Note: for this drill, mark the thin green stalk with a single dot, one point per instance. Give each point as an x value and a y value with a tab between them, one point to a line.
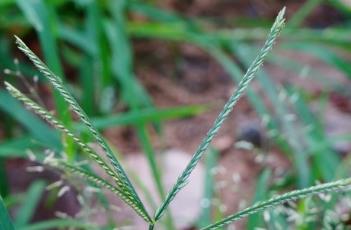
277	200
250	74
150	155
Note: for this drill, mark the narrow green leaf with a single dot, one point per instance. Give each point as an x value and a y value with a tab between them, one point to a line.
147	115
299	17
61	224
44	18
5	220
17	147
29	206
254	221
38	129
210	163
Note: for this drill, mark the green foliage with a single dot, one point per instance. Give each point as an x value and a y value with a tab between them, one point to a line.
5	221
102	47
28	208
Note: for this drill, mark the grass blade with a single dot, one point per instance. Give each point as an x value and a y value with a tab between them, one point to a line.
43	18
5	220
60	224
38	129
277	200
299	17
255	221
182	180
300	156
31	201
147	115
210	163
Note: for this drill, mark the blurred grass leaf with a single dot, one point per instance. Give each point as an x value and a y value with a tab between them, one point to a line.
255	220
40	131
30	204
5	220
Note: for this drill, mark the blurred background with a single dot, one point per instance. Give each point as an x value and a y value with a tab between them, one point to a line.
153	76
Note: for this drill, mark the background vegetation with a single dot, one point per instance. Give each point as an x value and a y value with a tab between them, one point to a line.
97	47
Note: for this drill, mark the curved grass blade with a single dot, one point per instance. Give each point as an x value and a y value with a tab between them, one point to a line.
85	148
58	84
277	200
183	179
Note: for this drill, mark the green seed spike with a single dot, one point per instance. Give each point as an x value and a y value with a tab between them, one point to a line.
59	86
90	152
101	183
277	200
250	74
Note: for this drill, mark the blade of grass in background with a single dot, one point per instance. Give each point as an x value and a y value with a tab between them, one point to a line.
300	156
149	115
27	209
5	220
261	192
272	124
61	224
324	159
18	147
122	60
95	70
132	91
322	53
298	18
4	188
43	18
87	70
40	131
211	162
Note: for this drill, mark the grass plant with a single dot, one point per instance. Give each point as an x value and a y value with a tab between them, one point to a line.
137	100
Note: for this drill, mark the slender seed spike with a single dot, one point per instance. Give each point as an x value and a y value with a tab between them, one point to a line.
277	200
59	86
57	124
103	184
249	75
